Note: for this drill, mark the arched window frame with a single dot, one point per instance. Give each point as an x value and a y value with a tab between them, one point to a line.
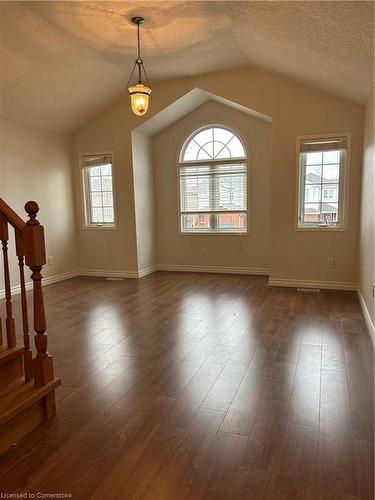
215	216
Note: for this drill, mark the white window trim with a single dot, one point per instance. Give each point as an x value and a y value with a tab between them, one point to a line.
180	163
344	191
86	226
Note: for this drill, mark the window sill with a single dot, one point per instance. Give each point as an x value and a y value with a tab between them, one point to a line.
100	228
323	229
213	233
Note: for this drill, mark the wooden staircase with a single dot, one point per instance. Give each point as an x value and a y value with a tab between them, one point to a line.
27	382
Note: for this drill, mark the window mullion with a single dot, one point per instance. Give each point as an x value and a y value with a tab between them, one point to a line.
213	198
302	188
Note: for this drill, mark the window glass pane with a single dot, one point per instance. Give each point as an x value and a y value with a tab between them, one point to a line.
214	143
330	193
96	199
313	174
191	151
331	156
231	192
106	170
314	158
321	172
208	191
195	194
108	215
106	183
232	221
203	155
331	173
222	135
100	196
236	148
107	198
95	184
221	150
196	221
330	212
204	137
312	193
94	171
311	212
96	215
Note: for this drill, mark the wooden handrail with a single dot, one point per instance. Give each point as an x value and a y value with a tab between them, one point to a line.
30	249
10	216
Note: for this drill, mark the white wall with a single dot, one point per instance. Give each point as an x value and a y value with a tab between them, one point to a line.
36	165
144	199
295	109
366	255
250	251
116	249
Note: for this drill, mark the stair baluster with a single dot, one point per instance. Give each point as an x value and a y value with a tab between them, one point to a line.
27	355
9	321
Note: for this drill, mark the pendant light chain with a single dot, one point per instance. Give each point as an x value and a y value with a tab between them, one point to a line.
139	60
139	42
139	93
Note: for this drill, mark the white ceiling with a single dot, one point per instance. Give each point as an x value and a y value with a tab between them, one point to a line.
62	63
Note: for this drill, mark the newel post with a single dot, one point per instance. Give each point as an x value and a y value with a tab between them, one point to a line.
36	258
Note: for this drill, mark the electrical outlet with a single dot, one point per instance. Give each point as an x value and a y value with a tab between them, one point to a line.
331	263
50	260
204	251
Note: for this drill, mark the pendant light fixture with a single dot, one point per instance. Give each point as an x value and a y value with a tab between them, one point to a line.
139	93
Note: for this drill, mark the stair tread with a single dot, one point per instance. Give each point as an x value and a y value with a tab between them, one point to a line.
9	354
19	395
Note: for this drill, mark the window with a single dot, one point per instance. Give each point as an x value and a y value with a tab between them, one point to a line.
213	182
322	173
98	190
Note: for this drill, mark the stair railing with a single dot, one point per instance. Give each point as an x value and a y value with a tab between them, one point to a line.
30	249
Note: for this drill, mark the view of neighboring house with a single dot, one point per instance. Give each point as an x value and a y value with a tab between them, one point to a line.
322	187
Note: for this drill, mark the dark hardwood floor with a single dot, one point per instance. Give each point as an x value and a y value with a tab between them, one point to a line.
192	386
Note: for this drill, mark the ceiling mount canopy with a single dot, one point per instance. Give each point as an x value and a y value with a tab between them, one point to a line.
139	92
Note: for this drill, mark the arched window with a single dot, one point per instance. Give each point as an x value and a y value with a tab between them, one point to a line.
213	182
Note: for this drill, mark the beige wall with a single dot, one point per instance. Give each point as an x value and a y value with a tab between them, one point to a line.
144	199
108	249
295	109
367	257
36	165
251	251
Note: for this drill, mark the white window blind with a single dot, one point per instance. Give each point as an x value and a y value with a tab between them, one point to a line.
216	188
321	186
213	190
98	186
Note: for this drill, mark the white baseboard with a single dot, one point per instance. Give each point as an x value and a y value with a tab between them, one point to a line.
45	282
212	269
100	273
147	271
366	315
328	285
177	268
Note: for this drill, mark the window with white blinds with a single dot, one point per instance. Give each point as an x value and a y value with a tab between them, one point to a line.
98	190
213	182
322	179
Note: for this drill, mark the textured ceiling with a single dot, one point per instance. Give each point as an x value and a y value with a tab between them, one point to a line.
64	62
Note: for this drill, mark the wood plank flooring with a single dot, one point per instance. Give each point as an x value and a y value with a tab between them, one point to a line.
192	386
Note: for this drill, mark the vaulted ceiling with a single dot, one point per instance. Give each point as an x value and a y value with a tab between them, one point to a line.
62	63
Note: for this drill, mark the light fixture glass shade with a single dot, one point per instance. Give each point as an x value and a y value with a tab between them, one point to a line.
139	98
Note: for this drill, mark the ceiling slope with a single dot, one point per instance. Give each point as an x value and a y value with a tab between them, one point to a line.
62	63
